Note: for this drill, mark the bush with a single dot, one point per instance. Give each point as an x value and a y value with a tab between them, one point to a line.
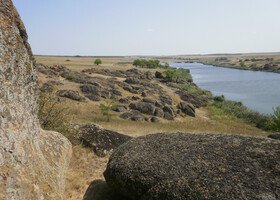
53	112
146	63
106	108
170	74
148	72
196	90
220	98
275	120
240	111
67	60
98	61
70	77
184	74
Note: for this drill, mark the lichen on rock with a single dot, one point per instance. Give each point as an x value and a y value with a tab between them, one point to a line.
33	162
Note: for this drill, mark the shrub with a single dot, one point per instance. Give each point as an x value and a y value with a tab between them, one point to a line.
67	60
220	98
148	72
106	108
98	61
240	111
184	74
70	77
146	63
170	74
53	112
275	120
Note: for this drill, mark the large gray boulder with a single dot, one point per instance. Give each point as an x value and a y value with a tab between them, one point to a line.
33	162
102	141
196	166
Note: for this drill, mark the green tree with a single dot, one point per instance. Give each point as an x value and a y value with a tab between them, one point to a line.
275	120
98	61
137	62
106	108
170	74
242	63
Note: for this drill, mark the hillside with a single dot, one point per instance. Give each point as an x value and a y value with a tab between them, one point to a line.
131	91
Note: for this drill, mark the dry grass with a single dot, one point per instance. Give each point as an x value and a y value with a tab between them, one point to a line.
85	167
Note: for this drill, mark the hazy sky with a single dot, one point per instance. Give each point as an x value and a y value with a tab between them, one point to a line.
151	27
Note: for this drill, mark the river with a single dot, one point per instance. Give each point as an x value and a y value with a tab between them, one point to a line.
258	91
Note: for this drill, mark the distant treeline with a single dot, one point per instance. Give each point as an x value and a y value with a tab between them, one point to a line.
149	64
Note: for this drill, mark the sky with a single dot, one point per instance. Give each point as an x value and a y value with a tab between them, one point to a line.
150	27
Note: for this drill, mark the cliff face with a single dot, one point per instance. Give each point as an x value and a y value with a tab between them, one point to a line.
33	162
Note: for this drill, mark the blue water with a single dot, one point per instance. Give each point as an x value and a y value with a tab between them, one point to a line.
258	91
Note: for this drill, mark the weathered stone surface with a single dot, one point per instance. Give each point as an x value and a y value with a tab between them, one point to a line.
195	99
168	113
155	119
134	115
101	140
187	108
33	162
180	166
120	108
71	94
143	107
99	190
158	74
46	70
275	136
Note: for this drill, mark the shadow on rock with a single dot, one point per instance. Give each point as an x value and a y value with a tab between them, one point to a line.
99	190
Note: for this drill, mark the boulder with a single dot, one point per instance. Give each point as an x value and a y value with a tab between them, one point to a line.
116	92
101	141
46	70
187	108
144	94
133	115
93	97
120	108
165	99
275	136
143	107
130	89
158	74
159	112
33	162
71	94
178	166
124	100
195	99
151	101
155	119
168	113
91	89
132	80
99	190
135	98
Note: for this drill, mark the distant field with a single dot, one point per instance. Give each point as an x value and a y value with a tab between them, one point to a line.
269	62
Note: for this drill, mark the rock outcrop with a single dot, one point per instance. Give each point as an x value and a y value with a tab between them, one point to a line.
275	136
180	166
33	162
101	140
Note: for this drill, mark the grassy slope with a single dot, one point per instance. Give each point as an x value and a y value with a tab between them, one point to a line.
86	167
